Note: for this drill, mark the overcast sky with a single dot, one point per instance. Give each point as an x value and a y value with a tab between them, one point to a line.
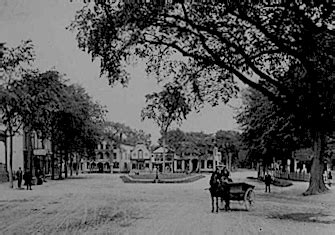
44	22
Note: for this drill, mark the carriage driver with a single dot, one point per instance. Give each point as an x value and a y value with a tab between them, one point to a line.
225	180
217	174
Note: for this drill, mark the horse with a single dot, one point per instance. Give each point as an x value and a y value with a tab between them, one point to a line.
218	190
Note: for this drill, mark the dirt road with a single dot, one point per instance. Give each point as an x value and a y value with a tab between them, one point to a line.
103	204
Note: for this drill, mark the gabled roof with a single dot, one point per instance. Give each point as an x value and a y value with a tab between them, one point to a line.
161	150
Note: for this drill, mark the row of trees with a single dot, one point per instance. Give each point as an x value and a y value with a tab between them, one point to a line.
119	133
32	101
202	145
285	51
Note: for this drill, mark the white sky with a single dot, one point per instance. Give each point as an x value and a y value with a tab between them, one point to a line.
44	22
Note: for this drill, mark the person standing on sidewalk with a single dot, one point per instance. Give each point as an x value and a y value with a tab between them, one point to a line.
267	180
27	179
19	177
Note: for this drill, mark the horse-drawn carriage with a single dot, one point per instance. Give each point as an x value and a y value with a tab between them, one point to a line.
238	191
243	193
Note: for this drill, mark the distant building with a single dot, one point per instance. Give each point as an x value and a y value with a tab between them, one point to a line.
196	163
117	158
185	162
122	158
141	158
159	162
41	155
101	162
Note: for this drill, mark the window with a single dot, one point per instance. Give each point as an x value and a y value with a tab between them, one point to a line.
115	165
202	163
141	166
134	166
210	164
179	164
146	165
140	154
114	156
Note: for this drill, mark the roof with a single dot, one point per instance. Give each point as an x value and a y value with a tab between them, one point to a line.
304	154
161	150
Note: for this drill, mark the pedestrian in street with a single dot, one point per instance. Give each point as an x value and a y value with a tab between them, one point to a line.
226	193
268	180
330	178
19	175
39	175
27	179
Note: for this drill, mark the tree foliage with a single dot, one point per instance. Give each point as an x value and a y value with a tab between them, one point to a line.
268	131
206	47
121	133
166	107
202	144
13	64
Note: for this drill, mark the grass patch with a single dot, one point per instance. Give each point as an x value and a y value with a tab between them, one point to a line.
305	217
275	182
170	179
161	176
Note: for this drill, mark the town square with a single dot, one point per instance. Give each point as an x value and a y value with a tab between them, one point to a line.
167	117
103	204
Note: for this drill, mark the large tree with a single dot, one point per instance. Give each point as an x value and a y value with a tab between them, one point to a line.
165	108
15	61
77	126
40	94
268	131
206	47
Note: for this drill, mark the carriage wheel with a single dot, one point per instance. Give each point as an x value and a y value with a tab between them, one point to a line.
249	198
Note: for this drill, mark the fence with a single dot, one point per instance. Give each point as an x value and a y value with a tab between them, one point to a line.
298	176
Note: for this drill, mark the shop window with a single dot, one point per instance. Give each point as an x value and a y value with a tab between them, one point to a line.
116	165
210	164
179	164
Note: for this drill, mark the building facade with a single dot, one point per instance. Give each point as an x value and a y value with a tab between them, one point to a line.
41	153
163	159
141	158
196	163
109	158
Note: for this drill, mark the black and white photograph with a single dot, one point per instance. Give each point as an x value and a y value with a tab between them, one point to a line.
167	117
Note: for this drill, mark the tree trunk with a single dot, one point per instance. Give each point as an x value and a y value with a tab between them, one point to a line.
164	154
6	153
29	153
65	163
60	166
77	165
52	160
71	165
10	169
316	183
